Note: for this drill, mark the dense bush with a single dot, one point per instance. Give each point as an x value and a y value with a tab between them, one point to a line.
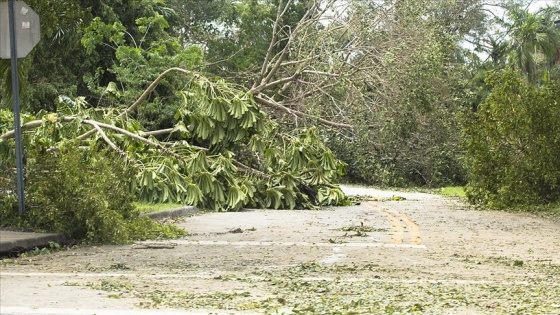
409	146
405	111
513	144
84	194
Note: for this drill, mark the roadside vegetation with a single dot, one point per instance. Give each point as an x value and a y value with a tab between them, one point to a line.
269	104
452	191
147	207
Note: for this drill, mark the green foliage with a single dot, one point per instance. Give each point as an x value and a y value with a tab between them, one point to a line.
145	207
61	65
405	110
404	152
141	52
7	152
6	97
222	154
513	144
83	194
233	156
534	42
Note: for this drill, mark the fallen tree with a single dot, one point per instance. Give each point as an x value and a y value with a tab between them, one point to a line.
223	153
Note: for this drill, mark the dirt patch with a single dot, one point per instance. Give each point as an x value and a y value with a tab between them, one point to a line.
425	254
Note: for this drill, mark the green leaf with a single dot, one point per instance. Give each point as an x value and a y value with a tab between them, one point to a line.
218	109
194	194
198	162
238	108
206	182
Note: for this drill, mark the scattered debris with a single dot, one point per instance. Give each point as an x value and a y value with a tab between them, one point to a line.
154	245
358	199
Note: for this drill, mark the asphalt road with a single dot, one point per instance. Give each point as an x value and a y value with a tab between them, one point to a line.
425	255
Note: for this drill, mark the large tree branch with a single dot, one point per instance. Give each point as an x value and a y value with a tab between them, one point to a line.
275	105
108	141
273	42
31	125
144	95
98	128
242	167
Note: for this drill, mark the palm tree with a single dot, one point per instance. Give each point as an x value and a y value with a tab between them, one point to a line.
534	41
6	92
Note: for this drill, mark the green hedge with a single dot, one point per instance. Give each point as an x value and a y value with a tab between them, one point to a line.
513	144
84	194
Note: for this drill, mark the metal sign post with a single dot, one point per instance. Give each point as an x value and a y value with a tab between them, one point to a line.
24	34
15	93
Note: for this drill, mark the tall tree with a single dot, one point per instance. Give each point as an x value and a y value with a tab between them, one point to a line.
534	41
381	71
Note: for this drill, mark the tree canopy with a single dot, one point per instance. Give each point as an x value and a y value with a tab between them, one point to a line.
267	103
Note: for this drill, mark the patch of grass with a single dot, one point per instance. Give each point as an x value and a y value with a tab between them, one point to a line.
452	191
147	207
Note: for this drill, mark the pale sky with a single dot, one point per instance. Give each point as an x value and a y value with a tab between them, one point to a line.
541	3
537	4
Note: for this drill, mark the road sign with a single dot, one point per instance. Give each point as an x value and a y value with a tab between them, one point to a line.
27	28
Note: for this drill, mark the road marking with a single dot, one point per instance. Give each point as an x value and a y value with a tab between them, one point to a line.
334	257
396	226
17	310
413	228
405	230
304	244
216	275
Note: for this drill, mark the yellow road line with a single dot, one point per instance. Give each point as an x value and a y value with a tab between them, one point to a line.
399	222
398	229
413	228
396	226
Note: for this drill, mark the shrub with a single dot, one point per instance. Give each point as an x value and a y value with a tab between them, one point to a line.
84	194
409	148
513	144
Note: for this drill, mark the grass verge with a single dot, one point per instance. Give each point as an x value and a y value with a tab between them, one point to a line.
452	191
146	207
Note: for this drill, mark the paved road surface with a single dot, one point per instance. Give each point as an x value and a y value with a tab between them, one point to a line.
424	255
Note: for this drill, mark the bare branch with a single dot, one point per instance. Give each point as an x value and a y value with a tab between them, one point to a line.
31	125
138	138
309	93
143	96
263	87
156	132
296	62
273	41
308	18
275	105
152	87
334	75
108	141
